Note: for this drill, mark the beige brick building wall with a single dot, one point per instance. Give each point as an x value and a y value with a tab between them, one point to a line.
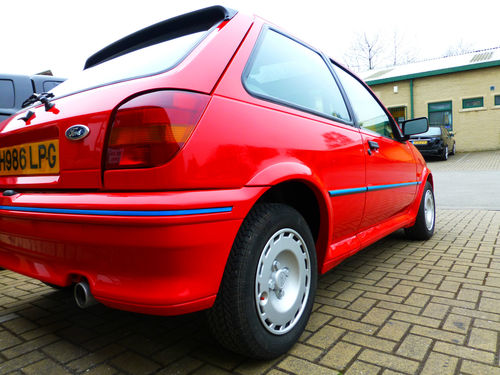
475	129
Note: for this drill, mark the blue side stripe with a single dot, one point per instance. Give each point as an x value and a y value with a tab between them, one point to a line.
382	187
198	211
336	193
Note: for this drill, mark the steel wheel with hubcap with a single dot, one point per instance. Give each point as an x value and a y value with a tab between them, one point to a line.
282	281
268	287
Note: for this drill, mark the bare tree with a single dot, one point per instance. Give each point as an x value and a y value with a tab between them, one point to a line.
402	51
459	48
365	52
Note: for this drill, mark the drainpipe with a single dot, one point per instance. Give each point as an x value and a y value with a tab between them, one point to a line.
411	99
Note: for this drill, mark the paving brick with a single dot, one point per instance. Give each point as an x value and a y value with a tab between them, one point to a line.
256	367
19	362
469	295
394	330
29	346
64	351
410	318
8	340
474	368
489	305
340	355
487	324
483	339
325	337
457	323
453	302
476	314
182	367
343	313
399	307
387	282
300	366
376	316
414	347
416	299
464	352
306	351
350	325
440	364
369	341
389	361
438	334
47	366
350	295
359	367
362	304
132	363
317	320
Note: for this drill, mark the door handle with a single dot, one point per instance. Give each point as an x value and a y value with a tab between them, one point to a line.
373	146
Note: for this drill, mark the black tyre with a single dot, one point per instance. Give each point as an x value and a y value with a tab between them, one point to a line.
444	155
268	287
423	229
454	149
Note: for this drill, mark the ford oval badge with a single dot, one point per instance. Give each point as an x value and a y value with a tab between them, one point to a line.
77	132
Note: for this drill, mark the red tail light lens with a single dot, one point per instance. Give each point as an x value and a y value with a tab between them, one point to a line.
150	129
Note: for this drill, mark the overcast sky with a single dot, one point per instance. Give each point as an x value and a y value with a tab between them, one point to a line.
61	34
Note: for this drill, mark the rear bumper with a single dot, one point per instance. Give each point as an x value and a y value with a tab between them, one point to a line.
431	151
156	253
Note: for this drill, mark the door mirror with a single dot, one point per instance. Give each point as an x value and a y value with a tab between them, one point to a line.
452	134
415	126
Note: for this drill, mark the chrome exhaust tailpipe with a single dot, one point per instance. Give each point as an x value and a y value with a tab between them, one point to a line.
83	296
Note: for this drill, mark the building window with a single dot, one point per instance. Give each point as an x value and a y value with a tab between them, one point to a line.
497	99
399	113
440	114
472	103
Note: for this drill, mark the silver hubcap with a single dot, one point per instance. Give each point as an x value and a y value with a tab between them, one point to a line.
429	209
282	281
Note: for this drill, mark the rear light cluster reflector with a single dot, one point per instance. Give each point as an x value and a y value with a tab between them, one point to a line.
149	130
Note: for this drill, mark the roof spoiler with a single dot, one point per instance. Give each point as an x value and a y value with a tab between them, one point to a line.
199	20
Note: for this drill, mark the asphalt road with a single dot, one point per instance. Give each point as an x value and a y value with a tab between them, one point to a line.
468	181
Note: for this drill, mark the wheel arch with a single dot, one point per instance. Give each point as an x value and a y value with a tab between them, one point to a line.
310	201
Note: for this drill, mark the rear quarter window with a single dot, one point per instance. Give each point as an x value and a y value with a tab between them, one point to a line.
285	71
7	94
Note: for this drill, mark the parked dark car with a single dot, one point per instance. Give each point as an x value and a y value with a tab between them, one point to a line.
437	141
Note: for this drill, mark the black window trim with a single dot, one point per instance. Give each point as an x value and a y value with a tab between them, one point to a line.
398	133
251	60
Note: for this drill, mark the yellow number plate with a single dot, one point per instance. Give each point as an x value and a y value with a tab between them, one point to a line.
419	142
30	159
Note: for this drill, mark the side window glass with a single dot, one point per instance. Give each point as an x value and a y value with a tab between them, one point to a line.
286	71
369	113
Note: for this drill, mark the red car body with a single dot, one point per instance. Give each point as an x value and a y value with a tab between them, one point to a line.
156	240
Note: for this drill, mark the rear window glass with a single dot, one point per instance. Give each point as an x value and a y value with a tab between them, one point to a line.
433	131
6	93
286	71
143	62
49	85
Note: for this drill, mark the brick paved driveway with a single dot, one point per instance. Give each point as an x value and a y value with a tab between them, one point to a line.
397	307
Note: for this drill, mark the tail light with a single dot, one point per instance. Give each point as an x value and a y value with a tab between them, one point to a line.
150	129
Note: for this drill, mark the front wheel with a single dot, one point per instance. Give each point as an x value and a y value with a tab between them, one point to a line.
423	229
444	155
268	287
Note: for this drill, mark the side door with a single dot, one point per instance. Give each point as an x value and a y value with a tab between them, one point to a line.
391	181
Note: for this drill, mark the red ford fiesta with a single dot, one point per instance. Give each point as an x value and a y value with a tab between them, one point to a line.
210	161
